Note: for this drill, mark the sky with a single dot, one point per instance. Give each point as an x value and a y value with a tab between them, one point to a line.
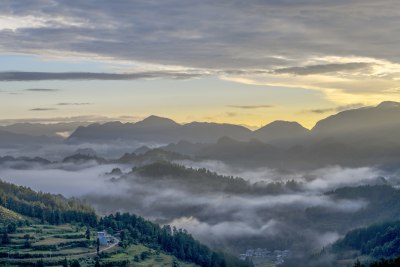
242	62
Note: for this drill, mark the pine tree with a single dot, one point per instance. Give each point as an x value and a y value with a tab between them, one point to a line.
5	239
65	263
98	246
40	263
358	264
87	233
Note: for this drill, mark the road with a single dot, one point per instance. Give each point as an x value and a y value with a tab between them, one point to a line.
116	242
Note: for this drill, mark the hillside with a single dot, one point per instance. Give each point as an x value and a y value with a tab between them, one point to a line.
368	126
376	241
58	229
7	216
54	209
55	245
373	246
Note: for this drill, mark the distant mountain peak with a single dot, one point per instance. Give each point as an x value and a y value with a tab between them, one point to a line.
156	121
389	104
281	130
279	125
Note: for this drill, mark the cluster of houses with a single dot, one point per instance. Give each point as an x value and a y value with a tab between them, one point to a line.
262	254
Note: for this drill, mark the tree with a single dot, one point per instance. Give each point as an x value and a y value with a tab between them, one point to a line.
122	235
144	255
11	228
136	258
5	239
87	234
39	263
358	264
65	262
27	243
98	246
97	263
75	263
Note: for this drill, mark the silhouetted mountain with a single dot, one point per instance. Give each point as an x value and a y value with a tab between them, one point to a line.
8	139
374	125
83	158
359	137
207	131
185	147
151	156
22	160
155	122
158	130
239	152
282	132
142	150
367	126
60	130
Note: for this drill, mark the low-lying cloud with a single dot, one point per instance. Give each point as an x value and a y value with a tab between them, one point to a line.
43	76
250	106
233	220
41	90
73	104
337	109
42	109
322	68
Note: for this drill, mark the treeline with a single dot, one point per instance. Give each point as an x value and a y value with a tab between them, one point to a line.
53	209
150	156
386	263
204	179
381	263
179	243
377	241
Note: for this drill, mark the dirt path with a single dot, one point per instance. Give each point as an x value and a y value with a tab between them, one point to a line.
116	242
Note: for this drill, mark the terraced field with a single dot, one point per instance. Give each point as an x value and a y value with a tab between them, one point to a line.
139	255
53	244
50	243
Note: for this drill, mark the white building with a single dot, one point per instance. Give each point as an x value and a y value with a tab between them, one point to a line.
104	238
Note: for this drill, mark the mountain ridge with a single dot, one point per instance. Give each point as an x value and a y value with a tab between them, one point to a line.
343	126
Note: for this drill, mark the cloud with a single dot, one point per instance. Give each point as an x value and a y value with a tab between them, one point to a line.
42	109
228	229
250	106
221	219
88	176
74	104
231	114
320	69
82	118
40	89
42	76
202	34
337	109
317	45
